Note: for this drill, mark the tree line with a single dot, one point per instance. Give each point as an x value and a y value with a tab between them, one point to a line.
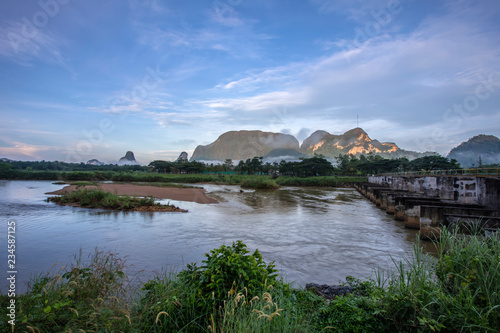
317	165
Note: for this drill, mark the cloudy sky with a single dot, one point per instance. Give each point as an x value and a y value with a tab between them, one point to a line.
93	79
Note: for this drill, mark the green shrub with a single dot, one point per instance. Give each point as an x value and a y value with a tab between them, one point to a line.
260	183
229	269
352	313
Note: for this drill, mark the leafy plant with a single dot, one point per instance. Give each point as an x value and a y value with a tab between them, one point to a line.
230	269
352	313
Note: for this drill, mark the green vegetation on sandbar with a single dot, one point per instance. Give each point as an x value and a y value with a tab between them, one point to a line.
83	183
234	290
158	184
97	198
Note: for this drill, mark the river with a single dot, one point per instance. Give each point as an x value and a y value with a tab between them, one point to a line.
316	235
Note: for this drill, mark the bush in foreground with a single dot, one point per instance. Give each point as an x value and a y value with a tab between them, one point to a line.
235	291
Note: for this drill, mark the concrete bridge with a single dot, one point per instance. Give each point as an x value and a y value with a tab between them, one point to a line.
437	199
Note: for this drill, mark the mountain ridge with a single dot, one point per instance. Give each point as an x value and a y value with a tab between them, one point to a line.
242	145
480	149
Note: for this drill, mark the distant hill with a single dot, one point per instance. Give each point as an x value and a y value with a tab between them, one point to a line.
182	157
486	147
241	145
355	142
95	162
128	159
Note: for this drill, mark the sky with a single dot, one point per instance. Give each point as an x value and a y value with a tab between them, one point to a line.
93	79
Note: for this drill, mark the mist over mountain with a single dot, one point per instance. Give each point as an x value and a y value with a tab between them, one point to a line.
480	149
94	162
241	145
128	159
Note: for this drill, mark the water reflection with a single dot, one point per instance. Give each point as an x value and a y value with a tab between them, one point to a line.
313	234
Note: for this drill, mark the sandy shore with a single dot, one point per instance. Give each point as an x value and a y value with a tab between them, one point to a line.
181	194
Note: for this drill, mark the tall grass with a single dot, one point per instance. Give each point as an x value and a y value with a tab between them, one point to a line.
277	308
89	295
168	304
458	292
468	272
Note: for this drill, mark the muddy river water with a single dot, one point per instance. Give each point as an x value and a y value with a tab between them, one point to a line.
316	235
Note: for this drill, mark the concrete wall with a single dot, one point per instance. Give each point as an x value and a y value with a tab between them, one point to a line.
482	191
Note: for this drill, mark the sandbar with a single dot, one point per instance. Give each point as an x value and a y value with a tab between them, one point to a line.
181	194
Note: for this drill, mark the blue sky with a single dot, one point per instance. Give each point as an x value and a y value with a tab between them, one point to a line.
93	79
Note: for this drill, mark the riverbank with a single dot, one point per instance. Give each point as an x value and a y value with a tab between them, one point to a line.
460	291
255	181
173	193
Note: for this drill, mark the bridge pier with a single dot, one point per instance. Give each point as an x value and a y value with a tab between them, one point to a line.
430	202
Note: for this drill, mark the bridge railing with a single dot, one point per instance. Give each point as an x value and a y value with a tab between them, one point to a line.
473	172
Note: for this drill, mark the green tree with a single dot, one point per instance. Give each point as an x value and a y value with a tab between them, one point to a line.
161	166
429	163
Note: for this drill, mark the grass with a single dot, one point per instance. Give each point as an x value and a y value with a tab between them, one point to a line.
97	198
88	295
257	181
457	292
159	184
83	183
260	183
326	181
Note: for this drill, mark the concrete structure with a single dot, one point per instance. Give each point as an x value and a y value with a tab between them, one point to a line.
431	201
484	191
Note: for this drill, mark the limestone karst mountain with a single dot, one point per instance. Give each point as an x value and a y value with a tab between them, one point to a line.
241	145
128	159
477	151
355	142
182	157
95	162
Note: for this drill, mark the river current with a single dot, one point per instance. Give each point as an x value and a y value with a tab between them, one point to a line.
318	235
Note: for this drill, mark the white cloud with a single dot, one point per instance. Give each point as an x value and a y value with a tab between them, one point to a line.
19	150
403	81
